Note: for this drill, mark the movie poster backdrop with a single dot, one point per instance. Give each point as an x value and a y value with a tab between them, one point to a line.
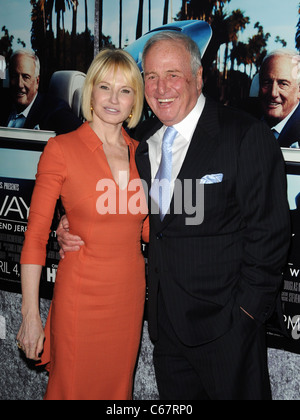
20	152
290	292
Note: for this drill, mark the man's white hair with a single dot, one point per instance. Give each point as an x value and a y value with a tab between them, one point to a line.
285	52
31	54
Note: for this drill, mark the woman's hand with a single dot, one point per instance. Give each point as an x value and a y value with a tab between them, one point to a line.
31	337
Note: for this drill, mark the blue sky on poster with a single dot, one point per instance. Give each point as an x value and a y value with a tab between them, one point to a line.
276	16
16	16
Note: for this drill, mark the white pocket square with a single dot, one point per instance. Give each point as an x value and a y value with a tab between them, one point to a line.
212	179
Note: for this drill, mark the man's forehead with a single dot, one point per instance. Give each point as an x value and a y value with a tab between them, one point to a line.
280	71
23	60
171	57
22	65
167	46
278	64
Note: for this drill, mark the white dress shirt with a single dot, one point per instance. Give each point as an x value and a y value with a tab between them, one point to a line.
181	144
14	115
277	129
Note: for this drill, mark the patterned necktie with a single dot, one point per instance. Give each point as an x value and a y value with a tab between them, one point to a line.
160	190
18	121
275	132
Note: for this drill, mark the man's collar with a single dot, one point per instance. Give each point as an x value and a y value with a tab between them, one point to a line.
26	110
279	127
187	126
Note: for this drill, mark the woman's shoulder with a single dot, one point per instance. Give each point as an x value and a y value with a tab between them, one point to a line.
66	142
69	137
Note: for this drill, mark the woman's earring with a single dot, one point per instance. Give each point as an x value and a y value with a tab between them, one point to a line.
92	109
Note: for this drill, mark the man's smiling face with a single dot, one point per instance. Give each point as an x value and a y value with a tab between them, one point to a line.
171	88
279	88
23	80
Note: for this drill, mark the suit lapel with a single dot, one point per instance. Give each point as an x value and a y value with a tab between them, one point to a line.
203	144
143	162
35	112
201	150
291	132
197	161
142	152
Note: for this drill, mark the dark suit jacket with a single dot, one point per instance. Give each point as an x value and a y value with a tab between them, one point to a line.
235	257
291	131
48	112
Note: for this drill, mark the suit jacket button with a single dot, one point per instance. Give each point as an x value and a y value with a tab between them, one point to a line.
159	236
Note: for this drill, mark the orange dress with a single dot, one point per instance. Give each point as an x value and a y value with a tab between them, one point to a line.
94	325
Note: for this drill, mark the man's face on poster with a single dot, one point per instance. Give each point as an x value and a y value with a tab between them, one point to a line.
279	88
23	81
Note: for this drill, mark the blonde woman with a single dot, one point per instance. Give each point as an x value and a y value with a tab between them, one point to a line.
92	334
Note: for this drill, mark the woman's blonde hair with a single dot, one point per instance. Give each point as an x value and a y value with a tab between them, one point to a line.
105	61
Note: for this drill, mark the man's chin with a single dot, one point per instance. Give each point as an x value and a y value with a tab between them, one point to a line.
21	102
273	118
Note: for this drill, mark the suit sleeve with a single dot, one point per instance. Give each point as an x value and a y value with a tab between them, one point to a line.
49	181
146	230
262	197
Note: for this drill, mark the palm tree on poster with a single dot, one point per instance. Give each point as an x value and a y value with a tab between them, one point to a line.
166	12
120	24
205	9
74	4
149	15
139	26
99	13
235	23
86	16
60	8
86	33
297	38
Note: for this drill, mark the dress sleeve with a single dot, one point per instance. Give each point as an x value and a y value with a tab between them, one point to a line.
50	177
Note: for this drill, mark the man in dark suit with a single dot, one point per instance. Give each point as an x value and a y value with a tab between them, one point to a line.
212	286
25	107
280	94
213	280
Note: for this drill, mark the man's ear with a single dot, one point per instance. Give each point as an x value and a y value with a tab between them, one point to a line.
200	79
298	96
